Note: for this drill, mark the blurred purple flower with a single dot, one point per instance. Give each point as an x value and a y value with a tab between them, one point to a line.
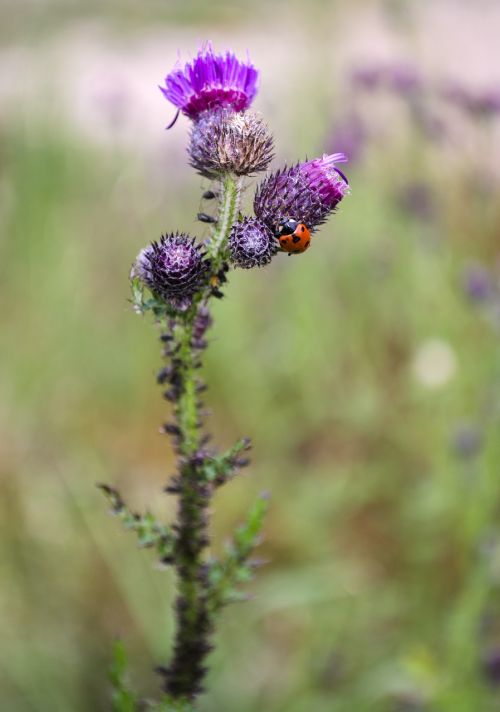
307	192
417	199
211	81
491	667
467	441
477	103
402	78
399	77
478	282
368	77
349	136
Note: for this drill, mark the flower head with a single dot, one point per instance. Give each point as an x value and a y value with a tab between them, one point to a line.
211	81
172	268
227	141
307	192
252	244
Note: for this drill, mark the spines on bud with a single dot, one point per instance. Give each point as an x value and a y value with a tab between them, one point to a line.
173	268
307	192
251	244
229	142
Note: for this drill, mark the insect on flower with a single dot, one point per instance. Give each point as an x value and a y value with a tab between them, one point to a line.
294	237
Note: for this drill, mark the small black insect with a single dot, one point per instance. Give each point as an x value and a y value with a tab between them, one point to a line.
204	217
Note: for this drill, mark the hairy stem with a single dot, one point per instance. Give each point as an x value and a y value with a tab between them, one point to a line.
184	676
229	204
187	409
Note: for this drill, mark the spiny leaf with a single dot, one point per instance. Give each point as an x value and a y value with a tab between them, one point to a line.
150	532
220	468
235	567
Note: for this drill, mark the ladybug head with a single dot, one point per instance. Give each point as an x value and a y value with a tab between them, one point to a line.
287	227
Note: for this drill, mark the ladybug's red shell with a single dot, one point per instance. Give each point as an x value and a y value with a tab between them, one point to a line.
294	237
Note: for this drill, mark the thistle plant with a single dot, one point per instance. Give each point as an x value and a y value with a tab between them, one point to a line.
176	280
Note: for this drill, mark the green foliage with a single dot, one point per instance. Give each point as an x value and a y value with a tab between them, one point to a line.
144	301
236	567
123	699
383	586
150	532
220	468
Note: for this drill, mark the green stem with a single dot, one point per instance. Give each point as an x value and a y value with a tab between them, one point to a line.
229	205
184	675
187	409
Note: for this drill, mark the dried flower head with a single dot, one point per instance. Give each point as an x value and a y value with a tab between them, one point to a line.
226	141
172	268
252	244
211	81
307	192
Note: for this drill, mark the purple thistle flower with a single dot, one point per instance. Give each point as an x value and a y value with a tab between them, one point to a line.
307	192
172	268
252	244
211	81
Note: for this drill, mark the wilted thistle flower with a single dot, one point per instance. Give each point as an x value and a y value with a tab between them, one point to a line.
211	81
226	141
172	268
252	244
307	192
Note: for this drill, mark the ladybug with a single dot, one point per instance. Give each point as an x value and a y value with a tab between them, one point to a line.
293	236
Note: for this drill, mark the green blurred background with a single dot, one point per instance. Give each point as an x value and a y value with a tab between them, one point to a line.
367	371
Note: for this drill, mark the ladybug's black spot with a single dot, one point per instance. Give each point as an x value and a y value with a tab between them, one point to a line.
302	229
295	239
308	243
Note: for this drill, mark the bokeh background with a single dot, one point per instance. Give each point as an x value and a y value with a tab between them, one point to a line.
366	371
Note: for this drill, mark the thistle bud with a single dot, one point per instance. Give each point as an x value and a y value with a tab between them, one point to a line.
229	142
307	192
251	244
172	268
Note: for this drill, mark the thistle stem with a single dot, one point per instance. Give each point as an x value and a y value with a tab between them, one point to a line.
187	409
185	674
229	204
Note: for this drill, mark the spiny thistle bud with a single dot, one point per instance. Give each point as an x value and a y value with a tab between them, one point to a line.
210	82
252	244
229	142
172	268
307	192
